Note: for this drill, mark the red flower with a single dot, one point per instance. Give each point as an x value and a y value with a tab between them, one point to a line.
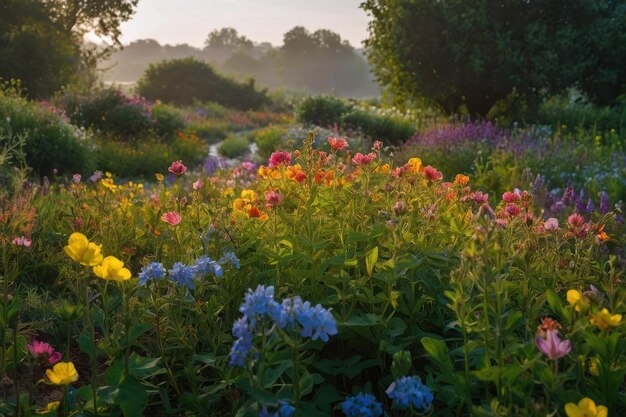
361	159
273	198
278	158
172	218
177	168
338	144
432	174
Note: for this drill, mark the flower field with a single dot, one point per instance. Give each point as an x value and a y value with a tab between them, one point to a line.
316	283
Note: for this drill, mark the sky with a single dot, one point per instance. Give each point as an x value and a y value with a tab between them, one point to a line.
189	21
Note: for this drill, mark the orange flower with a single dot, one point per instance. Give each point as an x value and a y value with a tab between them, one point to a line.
267	173
254	212
461	179
601	234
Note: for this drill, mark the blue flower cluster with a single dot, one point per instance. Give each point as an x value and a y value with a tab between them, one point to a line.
409	391
184	274
292	314
284	410
362	405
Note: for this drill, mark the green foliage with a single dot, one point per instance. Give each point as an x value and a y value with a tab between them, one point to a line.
182	81
322	110
576	112
390	129
469	55
268	140
167	120
51	142
234	147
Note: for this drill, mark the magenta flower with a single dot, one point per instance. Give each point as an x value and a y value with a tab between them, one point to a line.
177	168
43	351
432	174
171	217
553	347
278	158
273	198
511	197
361	159
22	241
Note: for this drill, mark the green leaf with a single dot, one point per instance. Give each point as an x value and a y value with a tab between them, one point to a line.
137	330
132	397
142	367
370	260
438	352
86	345
272	374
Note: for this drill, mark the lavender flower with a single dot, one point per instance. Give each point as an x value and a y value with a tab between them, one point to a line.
604	202
552	346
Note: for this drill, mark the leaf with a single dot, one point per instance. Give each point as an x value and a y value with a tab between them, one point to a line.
141	367
438	352
370	260
137	330
272	374
86	345
132	397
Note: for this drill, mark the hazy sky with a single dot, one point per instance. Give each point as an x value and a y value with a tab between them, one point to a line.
189	21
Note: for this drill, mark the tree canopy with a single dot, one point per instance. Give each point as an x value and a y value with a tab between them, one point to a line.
474	53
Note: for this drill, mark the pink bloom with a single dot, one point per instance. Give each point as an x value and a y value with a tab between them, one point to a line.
432	174
41	350
338	144
512	209
511	197
172	218
400	208
177	168
183	201
480	198
76	178
278	158
197	185
361	159
377	145
248	166
575	220
551	224
273	198
552	346
22	241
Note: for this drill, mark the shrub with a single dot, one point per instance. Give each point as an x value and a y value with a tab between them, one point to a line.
182	81
393	130
268	140
233	147
167	120
322	110
51	142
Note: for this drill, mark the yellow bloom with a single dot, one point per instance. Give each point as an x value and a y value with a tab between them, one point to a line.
83	251
239	204
578	300
63	373
113	269
384	169
109	184
593	366
605	320
248	195
49	408
159	177
415	165
586	408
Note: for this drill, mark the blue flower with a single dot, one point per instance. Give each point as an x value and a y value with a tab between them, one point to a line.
362	405
154	270
229	256
316	322
409	391
205	265
258	303
284	315
284	410
183	274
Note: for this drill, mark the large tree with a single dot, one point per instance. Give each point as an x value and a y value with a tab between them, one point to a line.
474	53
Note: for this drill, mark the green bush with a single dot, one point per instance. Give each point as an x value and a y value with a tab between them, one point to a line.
233	147
322	110
182	81
393	130
167	120
51	142
268	140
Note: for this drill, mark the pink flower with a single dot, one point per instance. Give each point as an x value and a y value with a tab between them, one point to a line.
177	168
432	174
512	209
197	185
76	178
480	198
273	198
511	197
338	144
278	158
22	241
575	220
172	218
43	351
361	159
552	346
551	224
377	145
248	166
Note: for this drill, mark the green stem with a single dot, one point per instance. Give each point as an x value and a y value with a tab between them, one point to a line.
94	356
16	379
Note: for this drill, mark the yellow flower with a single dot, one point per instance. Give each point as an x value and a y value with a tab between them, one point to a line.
248	195
593	366
415	165
49	408
586	408
605	320
578	300
83	251
384	169
63	373
159	177
395	295
113	269
109	184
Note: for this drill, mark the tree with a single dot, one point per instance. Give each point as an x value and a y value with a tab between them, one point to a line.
227	39
475	53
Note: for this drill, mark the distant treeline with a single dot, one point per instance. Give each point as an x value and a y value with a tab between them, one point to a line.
317	62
